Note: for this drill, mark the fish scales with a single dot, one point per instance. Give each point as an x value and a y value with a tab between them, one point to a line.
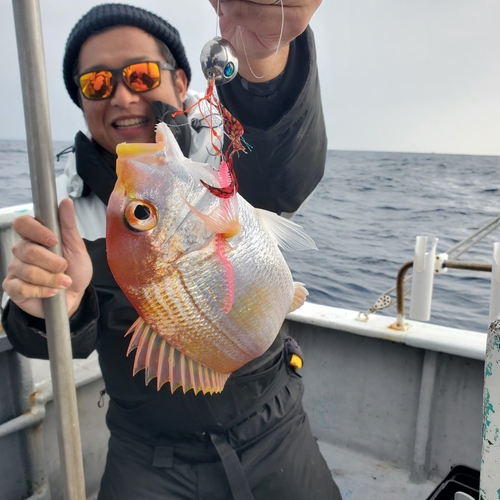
249	289
201	321
205	275
191	326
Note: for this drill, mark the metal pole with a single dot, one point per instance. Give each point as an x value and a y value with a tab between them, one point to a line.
400	297
468	266
490	460
36	112
400	284
420	465
32	413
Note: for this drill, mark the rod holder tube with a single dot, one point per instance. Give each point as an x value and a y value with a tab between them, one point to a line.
27	20
423	279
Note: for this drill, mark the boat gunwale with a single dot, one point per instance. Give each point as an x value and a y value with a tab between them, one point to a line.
465	343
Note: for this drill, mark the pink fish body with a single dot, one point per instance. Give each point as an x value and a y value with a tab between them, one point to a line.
205	274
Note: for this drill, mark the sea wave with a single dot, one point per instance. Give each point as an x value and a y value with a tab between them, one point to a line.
364	217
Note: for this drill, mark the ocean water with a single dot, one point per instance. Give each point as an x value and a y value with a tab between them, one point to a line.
364	217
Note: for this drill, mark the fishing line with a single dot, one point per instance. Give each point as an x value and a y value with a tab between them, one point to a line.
277	48
217	19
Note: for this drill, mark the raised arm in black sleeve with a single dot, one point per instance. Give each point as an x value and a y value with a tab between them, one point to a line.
284	125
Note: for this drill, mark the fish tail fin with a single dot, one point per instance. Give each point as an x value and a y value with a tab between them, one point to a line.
161	360
299	296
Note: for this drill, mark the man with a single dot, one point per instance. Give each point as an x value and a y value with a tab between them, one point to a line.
252	440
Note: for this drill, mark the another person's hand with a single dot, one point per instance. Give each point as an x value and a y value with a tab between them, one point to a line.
253	27
36	273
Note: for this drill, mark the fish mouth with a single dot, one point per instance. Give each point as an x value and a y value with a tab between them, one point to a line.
129	123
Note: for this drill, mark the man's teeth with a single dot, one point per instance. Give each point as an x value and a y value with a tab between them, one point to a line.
130	122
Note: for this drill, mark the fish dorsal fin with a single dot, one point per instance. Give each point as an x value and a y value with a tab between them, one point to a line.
174	154
172	149
287	234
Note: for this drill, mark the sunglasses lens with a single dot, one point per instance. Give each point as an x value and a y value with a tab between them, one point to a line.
139	77
96	84
143	76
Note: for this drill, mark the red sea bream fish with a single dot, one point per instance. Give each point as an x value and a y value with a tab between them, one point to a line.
204	273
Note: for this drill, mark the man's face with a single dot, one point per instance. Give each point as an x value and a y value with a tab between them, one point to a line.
126	116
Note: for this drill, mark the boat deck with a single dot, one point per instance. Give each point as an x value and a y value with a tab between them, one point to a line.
360	477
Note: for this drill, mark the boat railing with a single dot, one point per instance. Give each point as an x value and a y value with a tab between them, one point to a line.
28	392
427	264
441	263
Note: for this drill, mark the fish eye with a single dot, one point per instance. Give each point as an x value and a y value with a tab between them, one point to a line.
140	215
142	212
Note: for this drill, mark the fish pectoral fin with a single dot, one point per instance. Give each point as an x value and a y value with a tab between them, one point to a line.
223	220
161	360
287	234
299	296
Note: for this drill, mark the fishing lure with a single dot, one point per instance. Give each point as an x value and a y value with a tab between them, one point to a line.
219	61
219	64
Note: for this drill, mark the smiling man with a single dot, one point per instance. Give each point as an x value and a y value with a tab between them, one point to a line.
126	68
125	115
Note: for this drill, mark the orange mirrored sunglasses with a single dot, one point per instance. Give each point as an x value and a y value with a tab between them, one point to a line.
138	77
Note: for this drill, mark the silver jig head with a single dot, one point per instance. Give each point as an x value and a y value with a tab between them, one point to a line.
219	61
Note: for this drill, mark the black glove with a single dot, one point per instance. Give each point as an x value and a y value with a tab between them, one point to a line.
179	125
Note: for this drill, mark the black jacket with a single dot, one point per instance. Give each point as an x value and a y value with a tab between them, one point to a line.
284	124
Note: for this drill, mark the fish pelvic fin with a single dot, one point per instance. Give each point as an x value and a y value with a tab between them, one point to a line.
223	220
299	296
161	360
287	234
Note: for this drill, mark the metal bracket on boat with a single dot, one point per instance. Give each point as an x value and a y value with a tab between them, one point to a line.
400	324
382	302
441	265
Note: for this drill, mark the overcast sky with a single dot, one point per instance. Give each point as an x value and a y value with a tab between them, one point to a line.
396	75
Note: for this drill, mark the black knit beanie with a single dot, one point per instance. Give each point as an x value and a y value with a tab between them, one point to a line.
108	15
